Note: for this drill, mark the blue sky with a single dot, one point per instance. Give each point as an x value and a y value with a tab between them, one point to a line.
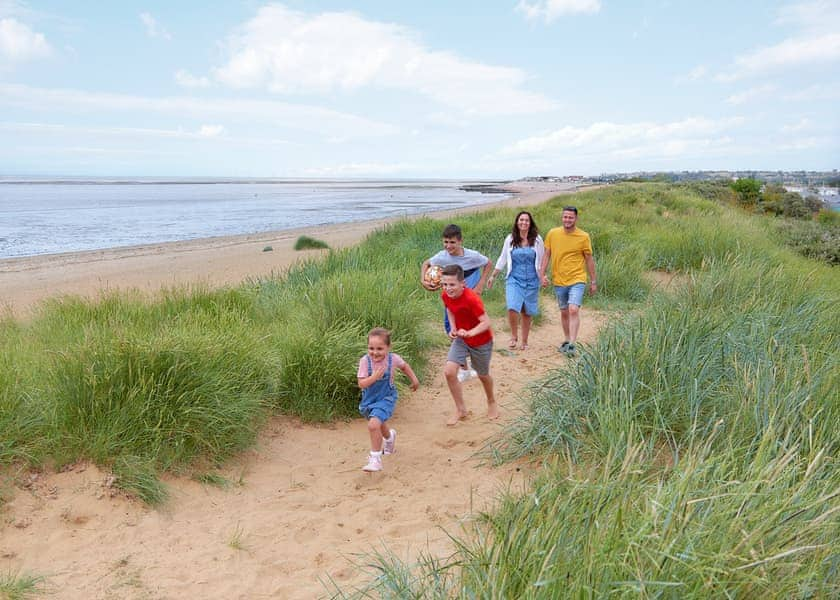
456	89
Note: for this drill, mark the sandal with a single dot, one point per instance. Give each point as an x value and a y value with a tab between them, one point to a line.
512	343
524	347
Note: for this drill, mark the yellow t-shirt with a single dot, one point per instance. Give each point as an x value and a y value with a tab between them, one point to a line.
567	251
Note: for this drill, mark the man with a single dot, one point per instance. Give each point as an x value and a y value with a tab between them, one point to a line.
569	250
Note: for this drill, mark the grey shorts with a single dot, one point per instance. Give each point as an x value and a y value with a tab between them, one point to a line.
479	356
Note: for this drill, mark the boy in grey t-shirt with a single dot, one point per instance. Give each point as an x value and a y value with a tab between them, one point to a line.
476	266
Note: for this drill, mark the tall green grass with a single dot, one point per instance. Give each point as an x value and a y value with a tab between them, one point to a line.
187	377
691	451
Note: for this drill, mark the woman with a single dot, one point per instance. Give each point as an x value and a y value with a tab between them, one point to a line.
520	259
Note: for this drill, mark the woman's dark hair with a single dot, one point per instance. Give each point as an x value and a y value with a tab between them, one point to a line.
532	230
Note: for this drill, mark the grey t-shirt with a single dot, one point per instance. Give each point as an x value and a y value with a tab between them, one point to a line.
470	261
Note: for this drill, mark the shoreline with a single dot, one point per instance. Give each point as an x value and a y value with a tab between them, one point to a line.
216	261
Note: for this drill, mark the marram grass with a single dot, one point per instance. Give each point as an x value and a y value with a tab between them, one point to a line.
690	452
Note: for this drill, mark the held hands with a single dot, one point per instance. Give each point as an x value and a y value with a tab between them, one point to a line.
543	281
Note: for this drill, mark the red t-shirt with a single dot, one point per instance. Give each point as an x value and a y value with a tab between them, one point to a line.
466	309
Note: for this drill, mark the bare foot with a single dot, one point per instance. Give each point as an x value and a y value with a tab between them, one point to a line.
458	416
492	411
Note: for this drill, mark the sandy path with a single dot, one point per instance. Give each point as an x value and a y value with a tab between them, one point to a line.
300	509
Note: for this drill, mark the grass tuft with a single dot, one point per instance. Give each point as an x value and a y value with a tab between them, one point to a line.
305	242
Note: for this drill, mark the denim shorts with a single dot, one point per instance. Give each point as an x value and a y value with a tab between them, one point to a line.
569	294
381	409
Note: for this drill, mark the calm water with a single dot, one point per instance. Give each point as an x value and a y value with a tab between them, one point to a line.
45	216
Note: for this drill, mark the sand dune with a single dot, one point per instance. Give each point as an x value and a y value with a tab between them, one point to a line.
299	511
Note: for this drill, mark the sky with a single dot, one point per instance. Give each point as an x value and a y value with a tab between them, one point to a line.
480	89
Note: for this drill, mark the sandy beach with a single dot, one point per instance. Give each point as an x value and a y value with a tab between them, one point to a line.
24	282
300	513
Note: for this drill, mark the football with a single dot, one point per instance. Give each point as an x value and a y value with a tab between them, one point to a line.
432	275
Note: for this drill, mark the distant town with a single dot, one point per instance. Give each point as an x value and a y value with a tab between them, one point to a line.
824	184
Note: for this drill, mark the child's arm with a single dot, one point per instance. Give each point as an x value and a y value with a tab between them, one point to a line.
452	326
485	273
483	325
415	383
366	382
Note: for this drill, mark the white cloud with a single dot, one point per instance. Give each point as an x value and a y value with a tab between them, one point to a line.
18	43
290	52
695	74
188	80
55	131
153	29
266	114
819	16
802	125
751	94
629	140
209	131
793	52
549	10
813	41
817	91
357	170
806	143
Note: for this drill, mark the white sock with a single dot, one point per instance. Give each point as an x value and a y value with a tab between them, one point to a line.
375	453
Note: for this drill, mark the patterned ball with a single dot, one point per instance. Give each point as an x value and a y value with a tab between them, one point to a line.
432	275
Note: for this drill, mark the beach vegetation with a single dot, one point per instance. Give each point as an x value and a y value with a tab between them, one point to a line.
17	586
236	539
305	242
748	190
213	479
690	452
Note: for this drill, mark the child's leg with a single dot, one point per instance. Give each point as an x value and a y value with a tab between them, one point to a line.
487	384
385	429
375	426
450	372
481	357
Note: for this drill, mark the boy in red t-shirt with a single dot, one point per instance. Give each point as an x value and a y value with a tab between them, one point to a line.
471	336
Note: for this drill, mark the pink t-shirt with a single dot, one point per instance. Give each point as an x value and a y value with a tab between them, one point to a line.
397	362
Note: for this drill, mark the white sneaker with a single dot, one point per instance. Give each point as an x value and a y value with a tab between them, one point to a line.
389	447
466	374
374	463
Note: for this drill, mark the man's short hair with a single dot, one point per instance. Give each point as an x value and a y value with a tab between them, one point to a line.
452	231
453	270
570	209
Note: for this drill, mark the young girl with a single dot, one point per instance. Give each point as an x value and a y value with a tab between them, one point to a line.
379	394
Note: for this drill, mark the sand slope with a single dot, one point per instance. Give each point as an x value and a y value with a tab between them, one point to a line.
300	509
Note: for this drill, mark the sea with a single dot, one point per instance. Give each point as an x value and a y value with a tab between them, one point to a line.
49	215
